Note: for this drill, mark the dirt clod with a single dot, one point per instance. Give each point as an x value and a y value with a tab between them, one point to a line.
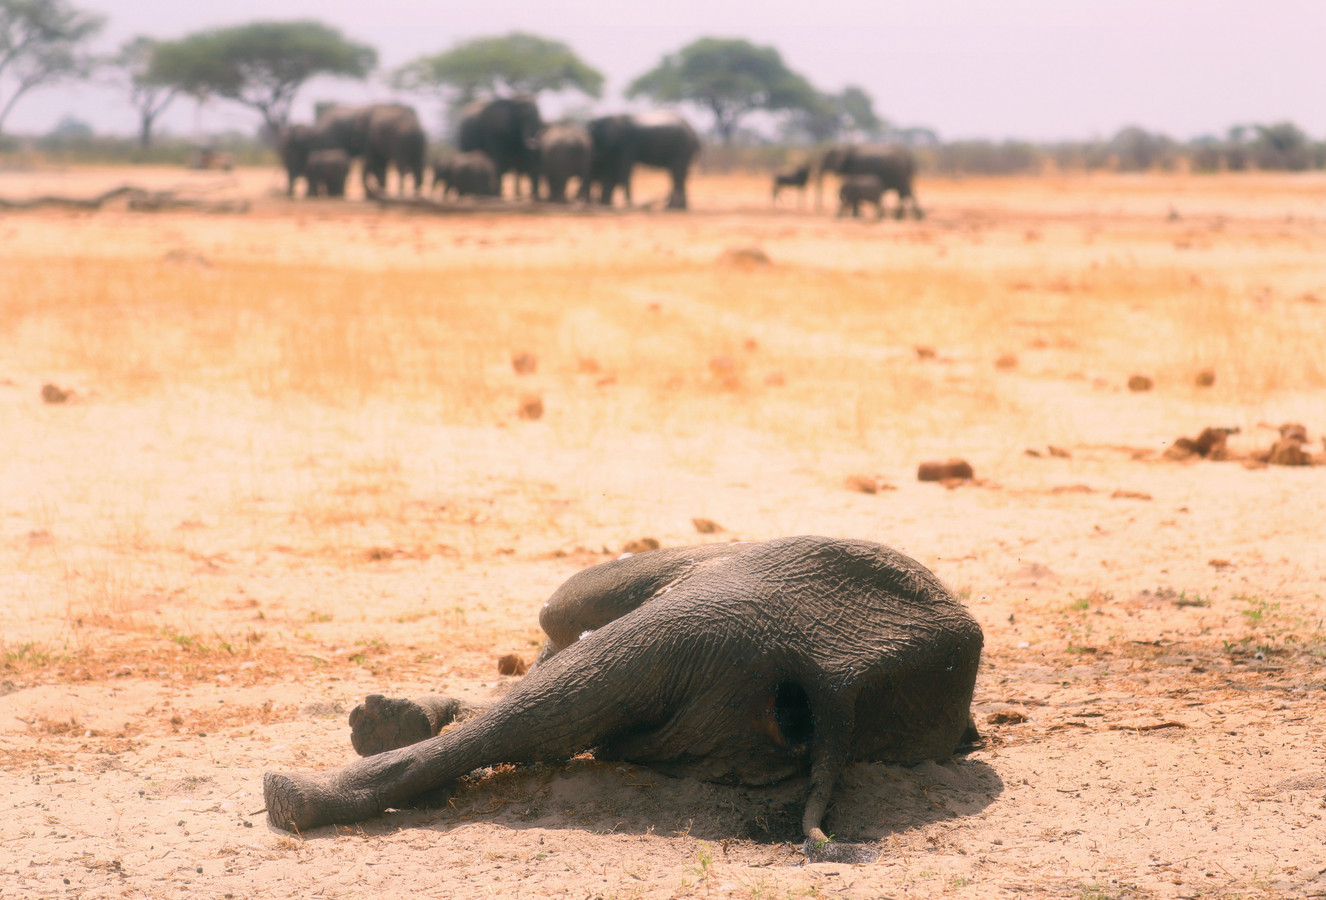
525	363
641	545
511	664
745	257
1205	378
706	526
51	393
945	470
1140	383
531	407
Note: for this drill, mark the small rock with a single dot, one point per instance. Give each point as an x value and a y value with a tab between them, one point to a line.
706	526
1139	383
1205	378
511	664
1006	717
531	407
925	352
1219	563
947	470
53	394
862	484
1130	495
641	545
524	363
1059	452
1007	361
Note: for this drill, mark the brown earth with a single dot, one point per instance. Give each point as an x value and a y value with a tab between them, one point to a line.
290	468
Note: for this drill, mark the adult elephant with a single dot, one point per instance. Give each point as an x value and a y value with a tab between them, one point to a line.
565	152
745	662
382	134
894	166
507	130
394	137
662	139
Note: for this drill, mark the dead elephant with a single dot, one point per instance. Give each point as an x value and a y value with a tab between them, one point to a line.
740	662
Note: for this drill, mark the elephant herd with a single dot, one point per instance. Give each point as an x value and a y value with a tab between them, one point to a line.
496	137
508	135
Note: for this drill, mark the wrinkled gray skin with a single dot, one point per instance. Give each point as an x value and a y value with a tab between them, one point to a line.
662	139
742	662
858	189
382	134
894	166
565	152
327	171
468	174
507	130
793	178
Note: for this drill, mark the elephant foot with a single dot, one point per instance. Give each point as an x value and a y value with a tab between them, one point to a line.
295	802
380	724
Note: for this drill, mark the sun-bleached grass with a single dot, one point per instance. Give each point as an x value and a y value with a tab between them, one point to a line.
337	389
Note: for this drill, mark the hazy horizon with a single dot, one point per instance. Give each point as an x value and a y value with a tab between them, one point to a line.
1029	69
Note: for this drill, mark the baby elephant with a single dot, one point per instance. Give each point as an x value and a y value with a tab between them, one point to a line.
326	173
470	174
858	189
738	662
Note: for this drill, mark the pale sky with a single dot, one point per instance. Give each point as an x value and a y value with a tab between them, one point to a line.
1034	69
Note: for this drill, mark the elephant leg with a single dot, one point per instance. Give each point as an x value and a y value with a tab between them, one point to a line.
552	714
594	597
678	198
380	724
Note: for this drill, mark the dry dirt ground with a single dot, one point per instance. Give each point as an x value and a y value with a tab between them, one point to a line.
291	468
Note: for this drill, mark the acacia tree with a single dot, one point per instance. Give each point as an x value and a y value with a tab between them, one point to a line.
849	112
261	65
41	42
515	63
133	64
730	78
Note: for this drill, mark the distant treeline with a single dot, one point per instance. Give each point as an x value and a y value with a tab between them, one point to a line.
1280	147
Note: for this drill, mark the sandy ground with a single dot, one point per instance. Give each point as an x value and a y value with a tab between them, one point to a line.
255	507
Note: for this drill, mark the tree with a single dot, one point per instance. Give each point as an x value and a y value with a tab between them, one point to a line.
515	63
41	42
730	78
133	62
1282	145
261	65
851	111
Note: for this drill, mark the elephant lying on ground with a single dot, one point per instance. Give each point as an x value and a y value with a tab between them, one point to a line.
742	662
